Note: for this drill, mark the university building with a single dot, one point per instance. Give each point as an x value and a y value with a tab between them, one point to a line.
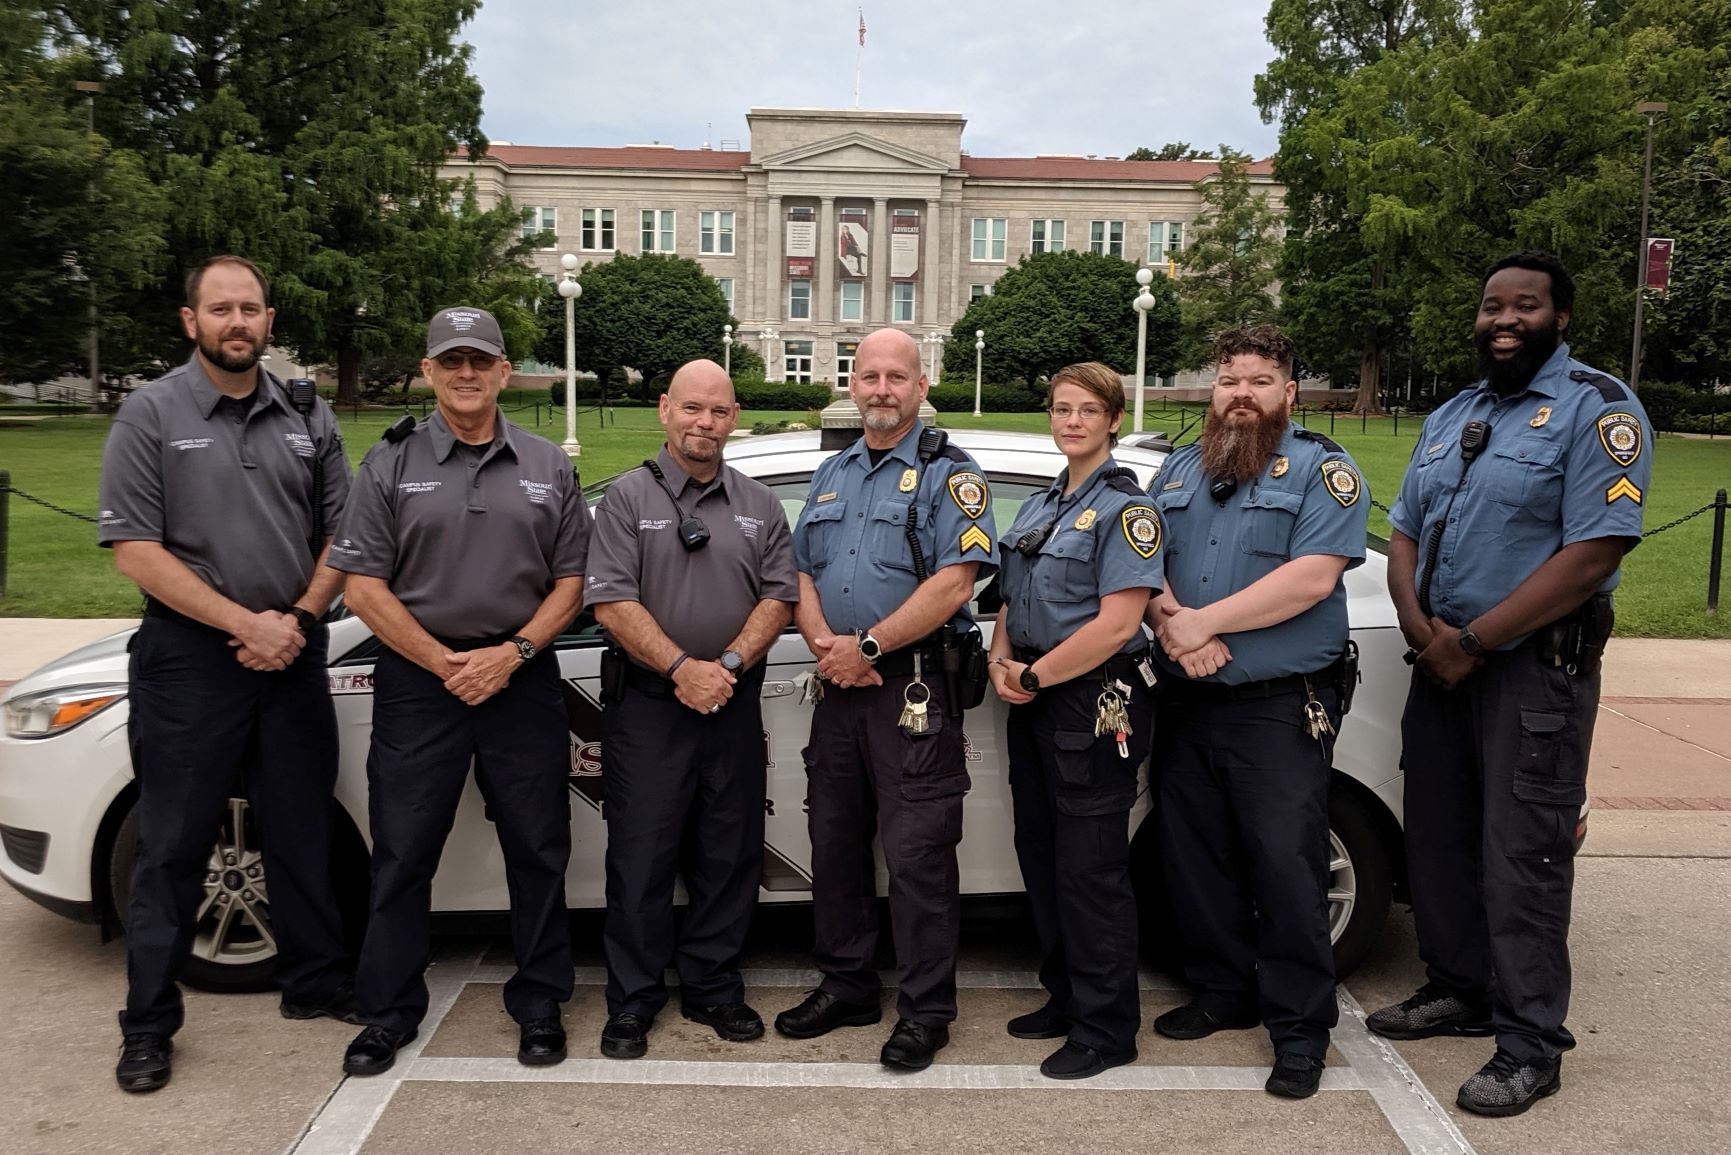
836	222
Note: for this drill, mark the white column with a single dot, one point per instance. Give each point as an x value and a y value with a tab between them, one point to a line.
880	282
930	282
774	287
824	275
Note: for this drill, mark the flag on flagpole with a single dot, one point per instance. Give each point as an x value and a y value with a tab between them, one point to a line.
862	27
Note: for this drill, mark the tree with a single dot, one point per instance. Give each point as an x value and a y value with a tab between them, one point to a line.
307	136
1177	150
1054	309
650	313
82	224
1229	264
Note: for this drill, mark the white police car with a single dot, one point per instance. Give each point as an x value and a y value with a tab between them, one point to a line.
67	832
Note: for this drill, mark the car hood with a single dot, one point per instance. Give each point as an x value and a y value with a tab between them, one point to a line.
100	663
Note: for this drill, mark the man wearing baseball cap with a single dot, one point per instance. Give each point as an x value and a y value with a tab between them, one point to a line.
465	542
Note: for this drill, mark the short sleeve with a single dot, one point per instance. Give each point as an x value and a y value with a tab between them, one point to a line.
335	460
365	541
802	559
1130	550
1407	514
778	576
131	493
1335	514
571	545
613	552
961	516
1609	469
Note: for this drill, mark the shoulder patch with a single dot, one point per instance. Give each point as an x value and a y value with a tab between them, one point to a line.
1341	481
1620	434
1608	387
1326	442
1623	488
968	490
1141	529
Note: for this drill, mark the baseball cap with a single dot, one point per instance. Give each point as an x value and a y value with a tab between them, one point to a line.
464	327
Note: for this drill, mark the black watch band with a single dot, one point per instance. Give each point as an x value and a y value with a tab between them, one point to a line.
305	619
731	661
1471	644
1030	680
525	648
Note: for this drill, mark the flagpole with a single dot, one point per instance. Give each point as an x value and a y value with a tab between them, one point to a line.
859	57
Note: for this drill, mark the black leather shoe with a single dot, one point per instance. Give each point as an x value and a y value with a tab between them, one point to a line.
339	1005
1076	1061
1192	1022
541	1042
735	1022
626	1036
1294	1076
912	1046
1049	1022
144	1062
374	1051
822	1012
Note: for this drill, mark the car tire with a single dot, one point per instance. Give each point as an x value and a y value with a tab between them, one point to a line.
244	960
1360	887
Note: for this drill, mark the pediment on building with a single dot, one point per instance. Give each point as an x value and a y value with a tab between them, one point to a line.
854	152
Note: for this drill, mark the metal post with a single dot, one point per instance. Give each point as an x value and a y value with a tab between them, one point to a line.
1650	109
90	89
1714	561
727	349
5	528
979	360
571	290
1143	302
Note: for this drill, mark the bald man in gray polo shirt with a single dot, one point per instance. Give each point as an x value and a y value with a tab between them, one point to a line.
682	751
465	543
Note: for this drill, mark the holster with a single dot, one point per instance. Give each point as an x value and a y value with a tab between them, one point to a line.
1577	641
964	666
614	668
1346	677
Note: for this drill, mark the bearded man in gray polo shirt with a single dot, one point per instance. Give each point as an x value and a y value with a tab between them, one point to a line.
692	575
465	543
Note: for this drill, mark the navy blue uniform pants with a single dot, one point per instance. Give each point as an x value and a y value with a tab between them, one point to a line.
867	777
684	796
424	739
1244	837
1072	795
1496	772
199	723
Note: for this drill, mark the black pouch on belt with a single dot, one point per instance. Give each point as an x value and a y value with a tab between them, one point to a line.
1346	677
614	665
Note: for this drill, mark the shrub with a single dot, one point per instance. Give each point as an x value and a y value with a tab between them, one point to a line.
758	394
1016	398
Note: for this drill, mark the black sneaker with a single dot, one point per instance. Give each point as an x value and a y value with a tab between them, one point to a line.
1429	1012
1295	1076
1507	1085
1192	1022
1076	1061
144	1062
626	1036
1049	1022
735	1022
374	1050
339	1005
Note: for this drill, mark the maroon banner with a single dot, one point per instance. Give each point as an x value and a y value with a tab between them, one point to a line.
800	268
1658	264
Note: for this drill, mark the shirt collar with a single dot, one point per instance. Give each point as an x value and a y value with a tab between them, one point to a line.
906	450
678	479
1057	488
444	440
206	395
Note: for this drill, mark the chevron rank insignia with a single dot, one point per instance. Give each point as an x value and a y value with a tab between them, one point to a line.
975	538
1620	434
1623	488
1142	530
968	491
1341	480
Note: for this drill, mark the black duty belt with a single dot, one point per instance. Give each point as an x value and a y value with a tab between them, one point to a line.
1267	688
162	613
901	662
1119	667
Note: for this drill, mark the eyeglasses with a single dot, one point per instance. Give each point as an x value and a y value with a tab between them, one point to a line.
452	361
1085	412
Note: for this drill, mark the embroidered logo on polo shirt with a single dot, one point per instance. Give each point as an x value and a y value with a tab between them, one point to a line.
654	523
537	491
300	443
186	443
418	486
749	526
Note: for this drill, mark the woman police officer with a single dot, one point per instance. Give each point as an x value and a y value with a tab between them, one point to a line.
1078	567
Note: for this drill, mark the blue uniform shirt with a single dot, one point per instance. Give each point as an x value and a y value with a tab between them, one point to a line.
1568	460
851	536
1309	499
1105	537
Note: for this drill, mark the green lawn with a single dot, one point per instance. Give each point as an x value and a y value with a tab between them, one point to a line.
55	569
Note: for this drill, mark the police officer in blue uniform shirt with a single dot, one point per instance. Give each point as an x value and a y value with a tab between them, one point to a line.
1262	519
1069	656
1523	495
897	528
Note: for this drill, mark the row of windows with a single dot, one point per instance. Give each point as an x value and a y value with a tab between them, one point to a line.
851	304
1049	235
659	229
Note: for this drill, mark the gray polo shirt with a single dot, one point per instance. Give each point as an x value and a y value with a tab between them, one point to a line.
226	488
699	599
470	538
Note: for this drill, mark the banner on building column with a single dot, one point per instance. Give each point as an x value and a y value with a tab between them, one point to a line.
905	245
801	234
853	245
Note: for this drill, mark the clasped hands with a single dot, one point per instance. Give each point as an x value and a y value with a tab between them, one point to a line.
269	641
1440	657
1187	639
839	661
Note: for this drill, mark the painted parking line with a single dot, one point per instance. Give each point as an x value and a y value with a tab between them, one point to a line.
796	977
1417	1118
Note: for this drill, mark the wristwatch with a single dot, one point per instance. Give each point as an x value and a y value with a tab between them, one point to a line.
305	619
1030	680
869	649
1471	644
525	648
731	662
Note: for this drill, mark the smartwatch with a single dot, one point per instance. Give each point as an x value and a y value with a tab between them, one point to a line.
869	649
1030	680
731	662
525	648
305	619
1471	644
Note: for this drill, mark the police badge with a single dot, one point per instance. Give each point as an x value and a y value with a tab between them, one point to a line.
1142	530
1086	520
910	479
1281	465
1620	434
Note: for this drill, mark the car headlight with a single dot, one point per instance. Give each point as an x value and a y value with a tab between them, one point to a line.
54	712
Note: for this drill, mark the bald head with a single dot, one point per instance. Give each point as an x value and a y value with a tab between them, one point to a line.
704	377
891	343
699	413
887	385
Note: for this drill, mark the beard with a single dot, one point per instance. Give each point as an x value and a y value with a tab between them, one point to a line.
213	351
701	449
1510	375
882	418
1239	450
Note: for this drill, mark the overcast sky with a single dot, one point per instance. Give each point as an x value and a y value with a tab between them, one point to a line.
1031	76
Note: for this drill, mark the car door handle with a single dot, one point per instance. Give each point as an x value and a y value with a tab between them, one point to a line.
778	689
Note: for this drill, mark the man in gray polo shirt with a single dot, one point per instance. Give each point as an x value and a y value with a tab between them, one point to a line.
208	495
682	751
465	543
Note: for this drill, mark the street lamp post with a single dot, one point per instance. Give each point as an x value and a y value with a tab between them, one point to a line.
938	358
570	290
979	358
768	336
1649	109
91	89
727	349
1143	302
